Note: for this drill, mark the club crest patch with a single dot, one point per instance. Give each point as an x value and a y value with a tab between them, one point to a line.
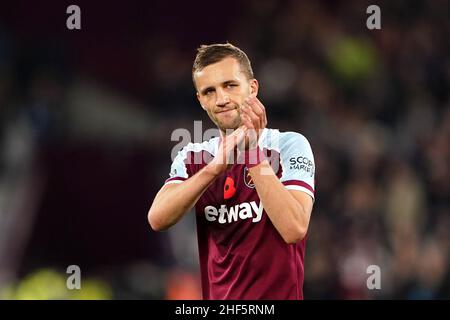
248	178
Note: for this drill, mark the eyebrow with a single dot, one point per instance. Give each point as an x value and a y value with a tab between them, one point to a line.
204	91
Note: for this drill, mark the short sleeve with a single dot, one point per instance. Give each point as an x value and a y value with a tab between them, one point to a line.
297	162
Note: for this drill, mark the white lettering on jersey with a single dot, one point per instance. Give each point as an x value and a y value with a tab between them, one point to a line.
232	214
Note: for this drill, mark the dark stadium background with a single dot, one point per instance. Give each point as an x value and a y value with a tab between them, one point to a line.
86	118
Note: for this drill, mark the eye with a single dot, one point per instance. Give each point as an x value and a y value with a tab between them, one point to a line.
231	85
208	92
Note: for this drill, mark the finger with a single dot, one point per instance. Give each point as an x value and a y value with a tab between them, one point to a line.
255	109
253	116
230	141
248	109
254	106
257	102
248	123
258	111
237	134
239	139
246	120
259	106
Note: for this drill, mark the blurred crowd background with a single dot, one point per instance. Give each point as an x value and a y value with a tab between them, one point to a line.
86	118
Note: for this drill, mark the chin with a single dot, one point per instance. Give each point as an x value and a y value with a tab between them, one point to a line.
230	125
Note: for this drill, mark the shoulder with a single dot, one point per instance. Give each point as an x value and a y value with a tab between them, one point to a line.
282	141
290	138
185	160
209	146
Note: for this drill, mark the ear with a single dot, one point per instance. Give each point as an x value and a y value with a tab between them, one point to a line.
198	98
254	86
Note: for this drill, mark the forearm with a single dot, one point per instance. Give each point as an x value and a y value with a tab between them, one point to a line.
287	215
172	203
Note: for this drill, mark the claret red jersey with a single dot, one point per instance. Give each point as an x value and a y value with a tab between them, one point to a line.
242	255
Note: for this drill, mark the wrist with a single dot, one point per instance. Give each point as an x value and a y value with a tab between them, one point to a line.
213	169
253	157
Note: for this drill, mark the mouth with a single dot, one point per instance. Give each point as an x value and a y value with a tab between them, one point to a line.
224	111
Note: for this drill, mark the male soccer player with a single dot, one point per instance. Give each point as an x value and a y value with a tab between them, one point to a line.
252	212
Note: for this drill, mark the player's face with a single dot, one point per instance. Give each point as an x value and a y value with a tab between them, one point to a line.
221	89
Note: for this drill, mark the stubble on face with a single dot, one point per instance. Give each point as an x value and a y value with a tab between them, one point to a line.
229	120
226	117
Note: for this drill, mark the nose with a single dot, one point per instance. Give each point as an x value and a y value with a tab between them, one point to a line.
222	98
